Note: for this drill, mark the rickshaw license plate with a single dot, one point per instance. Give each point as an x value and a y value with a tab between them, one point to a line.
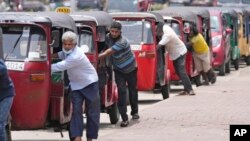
18	66
135	47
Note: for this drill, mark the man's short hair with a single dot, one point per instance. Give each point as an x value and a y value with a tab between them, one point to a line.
116	24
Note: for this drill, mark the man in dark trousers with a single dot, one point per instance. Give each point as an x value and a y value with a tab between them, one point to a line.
84	84
7	93
125	68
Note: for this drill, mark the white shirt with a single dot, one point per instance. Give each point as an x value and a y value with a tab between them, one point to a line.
172	43
80	71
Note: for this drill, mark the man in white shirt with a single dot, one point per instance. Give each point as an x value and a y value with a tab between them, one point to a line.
84	84
177	52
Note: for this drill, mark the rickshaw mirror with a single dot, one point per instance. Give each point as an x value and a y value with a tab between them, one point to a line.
55	38
186	28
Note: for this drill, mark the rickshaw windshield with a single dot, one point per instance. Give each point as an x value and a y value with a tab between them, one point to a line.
122	5
215	25
137	32
85	41
24	43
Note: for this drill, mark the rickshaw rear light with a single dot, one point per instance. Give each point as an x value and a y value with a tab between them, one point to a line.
150	54
147	54
37	77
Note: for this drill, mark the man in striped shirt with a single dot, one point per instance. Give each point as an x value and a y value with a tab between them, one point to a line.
125	68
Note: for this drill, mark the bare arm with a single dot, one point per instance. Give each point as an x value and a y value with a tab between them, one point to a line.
106	53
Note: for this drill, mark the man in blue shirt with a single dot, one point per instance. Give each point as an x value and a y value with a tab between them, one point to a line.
125	69
6	98
84	84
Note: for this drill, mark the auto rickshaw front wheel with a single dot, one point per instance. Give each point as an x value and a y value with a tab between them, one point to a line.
114	114
236	63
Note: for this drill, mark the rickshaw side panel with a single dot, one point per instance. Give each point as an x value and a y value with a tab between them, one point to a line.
28	96
145	83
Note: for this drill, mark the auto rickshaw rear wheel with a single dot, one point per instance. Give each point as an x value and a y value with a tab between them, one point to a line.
228	66
222	69
236	63
247	60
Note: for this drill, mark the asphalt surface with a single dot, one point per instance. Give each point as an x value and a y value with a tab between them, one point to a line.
206	116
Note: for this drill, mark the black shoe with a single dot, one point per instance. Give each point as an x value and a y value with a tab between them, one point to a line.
135	116
124	123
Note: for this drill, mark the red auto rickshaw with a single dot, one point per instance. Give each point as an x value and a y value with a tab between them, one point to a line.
140	29
92	28
29	39
181	18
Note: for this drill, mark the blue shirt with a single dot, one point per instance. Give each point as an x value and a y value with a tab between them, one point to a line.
123	59
6	84
80	71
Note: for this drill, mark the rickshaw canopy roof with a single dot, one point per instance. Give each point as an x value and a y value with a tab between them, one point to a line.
101	18
204	13
53	18
226	10
247	9
185	14
154	15
240	10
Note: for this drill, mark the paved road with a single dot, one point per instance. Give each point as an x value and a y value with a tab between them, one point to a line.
203	117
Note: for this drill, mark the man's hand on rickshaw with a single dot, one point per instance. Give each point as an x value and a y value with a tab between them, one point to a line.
54	56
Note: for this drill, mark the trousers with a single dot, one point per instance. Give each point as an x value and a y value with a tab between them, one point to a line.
5	106
90	95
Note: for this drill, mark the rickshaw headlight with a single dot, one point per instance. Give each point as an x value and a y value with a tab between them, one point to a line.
216	41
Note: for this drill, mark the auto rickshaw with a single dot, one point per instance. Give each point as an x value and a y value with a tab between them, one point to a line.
247	34
220	41
29	39
92	28
140	29
243	32
232	22
185	18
